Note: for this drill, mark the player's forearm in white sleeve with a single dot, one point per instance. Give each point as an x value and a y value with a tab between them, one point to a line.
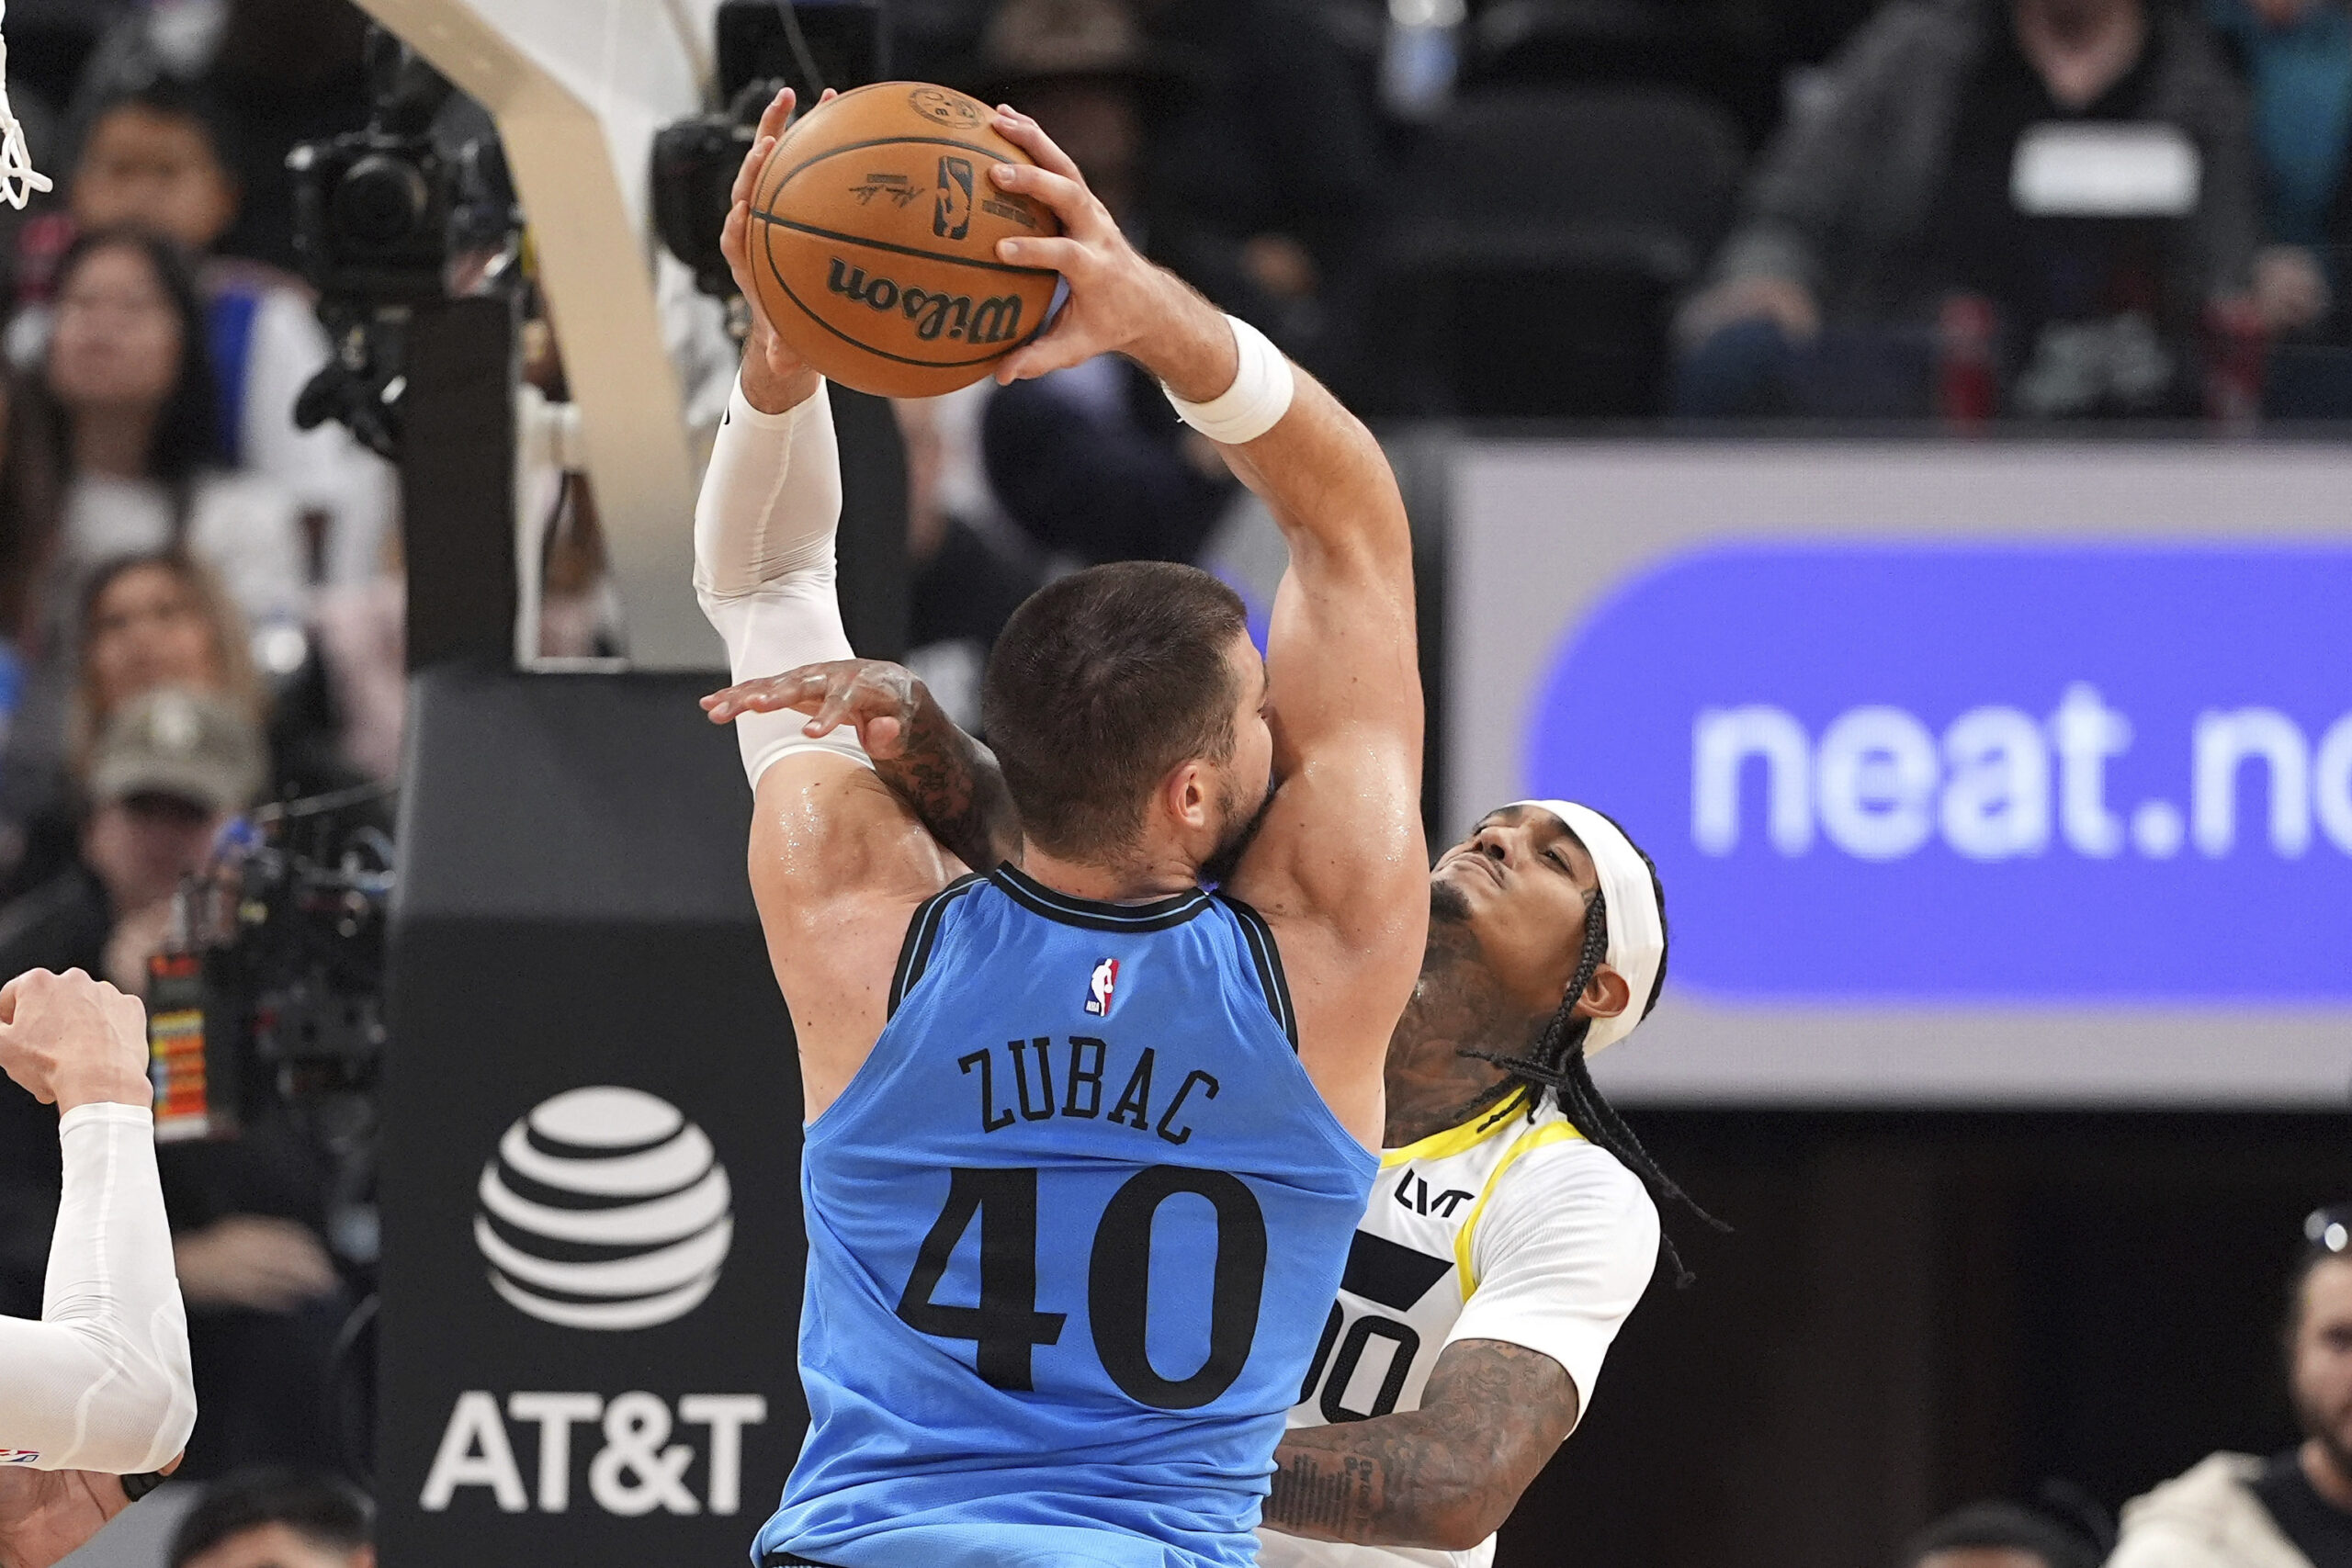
102	1383
763	559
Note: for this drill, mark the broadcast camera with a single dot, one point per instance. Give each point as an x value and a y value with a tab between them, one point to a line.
763	45
377	215
272	985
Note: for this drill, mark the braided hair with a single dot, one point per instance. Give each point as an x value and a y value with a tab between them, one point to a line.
1556	1062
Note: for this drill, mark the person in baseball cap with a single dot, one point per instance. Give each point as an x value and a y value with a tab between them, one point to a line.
168	770
189	748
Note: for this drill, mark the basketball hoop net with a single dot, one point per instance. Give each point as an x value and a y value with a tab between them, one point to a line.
18	178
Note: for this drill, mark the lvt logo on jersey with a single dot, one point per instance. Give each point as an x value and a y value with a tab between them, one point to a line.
604	1209
1099	988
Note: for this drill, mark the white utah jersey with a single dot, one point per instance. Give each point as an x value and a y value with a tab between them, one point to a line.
1498	1229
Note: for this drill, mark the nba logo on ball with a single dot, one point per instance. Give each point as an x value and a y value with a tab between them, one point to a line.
1097	988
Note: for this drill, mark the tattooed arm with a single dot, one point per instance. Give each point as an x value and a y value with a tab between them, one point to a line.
948	779
1444	1476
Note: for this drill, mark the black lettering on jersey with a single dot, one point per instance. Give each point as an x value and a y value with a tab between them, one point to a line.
1043	1110
1208	1087
991	1118
1091	1076
1389	1273
1413	1192
1134	1100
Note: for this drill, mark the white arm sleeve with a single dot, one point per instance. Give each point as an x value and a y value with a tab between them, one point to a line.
764	560
102	1383
1564	1251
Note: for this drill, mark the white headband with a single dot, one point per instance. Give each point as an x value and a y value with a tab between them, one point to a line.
1637	925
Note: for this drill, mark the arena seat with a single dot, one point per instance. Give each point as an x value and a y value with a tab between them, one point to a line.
1729	52
1543	237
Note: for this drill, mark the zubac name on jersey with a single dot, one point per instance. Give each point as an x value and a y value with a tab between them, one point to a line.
1074	1228
1013	1064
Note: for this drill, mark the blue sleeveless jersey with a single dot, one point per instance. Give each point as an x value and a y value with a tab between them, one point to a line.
1073	1231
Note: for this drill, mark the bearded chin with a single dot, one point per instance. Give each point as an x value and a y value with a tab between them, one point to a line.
1448	903
1240	832
2316	1425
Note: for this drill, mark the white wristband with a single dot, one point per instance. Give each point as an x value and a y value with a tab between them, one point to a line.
1256	402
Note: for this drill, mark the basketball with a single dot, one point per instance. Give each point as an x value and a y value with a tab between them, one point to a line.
873	233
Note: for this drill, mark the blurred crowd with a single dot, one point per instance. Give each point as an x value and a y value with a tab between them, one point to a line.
1960	210
1942	210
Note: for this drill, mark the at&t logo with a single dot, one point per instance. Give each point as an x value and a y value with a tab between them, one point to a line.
604	1209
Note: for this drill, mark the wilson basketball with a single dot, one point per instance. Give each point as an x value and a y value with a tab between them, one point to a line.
873	231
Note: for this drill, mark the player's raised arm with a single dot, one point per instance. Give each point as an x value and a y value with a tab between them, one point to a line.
1339	868
837	862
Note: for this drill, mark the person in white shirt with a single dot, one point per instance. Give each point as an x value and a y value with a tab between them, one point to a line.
129	370
96	1398
1513	1226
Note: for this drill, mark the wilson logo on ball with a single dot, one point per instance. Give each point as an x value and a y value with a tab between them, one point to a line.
604	1209
994	319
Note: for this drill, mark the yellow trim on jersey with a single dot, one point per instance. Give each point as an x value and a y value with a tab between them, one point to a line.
1453	1140
1549	1133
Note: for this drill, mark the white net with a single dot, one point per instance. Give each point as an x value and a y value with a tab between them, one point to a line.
18	178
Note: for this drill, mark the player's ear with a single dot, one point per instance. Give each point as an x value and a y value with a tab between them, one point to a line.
1186	795
1605	994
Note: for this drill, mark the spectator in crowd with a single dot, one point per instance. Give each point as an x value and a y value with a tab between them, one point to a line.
170	770
146	622
1088	460
2293	1510
1225	134
275	1519
2296	56
276	72
1891	197
129	373
2000	1535
153	158
1266	176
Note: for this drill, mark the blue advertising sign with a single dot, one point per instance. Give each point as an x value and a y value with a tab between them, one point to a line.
2000	773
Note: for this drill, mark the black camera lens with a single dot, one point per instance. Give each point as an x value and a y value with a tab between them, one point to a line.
380	201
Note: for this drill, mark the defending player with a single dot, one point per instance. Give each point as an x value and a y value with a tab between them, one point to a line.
1081	1166
96	1398
1510	1235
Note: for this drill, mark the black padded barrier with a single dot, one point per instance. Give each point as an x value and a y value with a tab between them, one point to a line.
584	1028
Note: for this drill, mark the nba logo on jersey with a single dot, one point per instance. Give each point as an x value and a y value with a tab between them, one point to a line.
18	1456
1098	988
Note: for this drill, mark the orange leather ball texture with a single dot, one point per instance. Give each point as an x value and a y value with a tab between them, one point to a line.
873	230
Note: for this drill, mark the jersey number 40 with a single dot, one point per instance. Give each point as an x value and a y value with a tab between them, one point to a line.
1007	1326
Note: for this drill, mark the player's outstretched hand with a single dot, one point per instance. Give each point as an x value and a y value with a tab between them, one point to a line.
876	698
45	1514
775	377
1115	296
71	1040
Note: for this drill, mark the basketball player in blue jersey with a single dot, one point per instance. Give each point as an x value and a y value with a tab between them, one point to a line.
1086	1141
1513	1227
